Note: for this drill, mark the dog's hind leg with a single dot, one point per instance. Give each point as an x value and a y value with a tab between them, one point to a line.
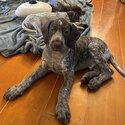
96	82
105	73
19	89
89	75
97	53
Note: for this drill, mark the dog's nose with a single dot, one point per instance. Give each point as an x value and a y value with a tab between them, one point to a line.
56	45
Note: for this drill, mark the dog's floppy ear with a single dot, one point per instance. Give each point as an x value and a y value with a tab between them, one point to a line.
73	37
45	31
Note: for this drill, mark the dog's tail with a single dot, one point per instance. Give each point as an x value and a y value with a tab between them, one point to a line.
115	65
27	29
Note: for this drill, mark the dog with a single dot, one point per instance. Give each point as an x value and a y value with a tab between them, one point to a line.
65	53
34	22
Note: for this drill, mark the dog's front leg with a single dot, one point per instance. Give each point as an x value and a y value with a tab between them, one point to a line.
62	107
19	89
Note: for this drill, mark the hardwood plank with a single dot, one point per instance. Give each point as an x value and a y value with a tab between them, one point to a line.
121	23
50	120
12	71
96	17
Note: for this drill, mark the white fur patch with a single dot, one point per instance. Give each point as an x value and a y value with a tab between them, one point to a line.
60	22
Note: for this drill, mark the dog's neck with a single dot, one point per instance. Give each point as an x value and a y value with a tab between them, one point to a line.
55	60
55	55
59	52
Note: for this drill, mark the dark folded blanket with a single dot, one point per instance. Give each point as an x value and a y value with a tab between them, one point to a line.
13	39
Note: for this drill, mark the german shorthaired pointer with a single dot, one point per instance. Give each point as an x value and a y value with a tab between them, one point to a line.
66	52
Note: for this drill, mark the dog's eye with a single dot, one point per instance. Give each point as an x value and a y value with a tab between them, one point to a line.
66	31
53	30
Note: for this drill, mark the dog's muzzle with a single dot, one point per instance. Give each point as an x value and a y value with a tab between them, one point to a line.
56	45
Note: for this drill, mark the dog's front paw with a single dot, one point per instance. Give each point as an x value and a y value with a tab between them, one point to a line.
13	92
63	113
93	84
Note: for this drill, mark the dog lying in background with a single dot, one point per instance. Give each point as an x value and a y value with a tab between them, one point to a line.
65	53
34	22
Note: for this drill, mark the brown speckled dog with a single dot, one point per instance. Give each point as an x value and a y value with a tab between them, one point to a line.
66	52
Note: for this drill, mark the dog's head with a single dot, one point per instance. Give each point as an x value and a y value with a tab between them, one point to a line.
74	16
60	34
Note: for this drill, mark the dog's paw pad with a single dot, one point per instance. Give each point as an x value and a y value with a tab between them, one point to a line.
63	114
12	92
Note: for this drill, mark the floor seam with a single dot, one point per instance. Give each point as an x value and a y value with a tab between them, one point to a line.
49	97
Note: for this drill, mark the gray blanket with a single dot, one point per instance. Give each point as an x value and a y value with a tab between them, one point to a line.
13	39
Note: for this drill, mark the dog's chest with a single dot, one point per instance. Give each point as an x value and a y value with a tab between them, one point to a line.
54	62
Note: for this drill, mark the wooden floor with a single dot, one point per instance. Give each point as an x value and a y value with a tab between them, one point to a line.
106	106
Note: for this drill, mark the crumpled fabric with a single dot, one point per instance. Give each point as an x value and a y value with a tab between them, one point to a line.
13	38
67	5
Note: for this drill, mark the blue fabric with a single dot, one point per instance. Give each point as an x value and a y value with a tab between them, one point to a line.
13	39
53	2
